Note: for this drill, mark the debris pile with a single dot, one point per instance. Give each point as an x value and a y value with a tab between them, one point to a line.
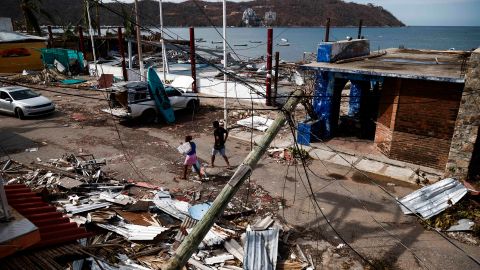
135	231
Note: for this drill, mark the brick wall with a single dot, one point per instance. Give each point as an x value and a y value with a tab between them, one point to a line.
428	108
383	138
420	116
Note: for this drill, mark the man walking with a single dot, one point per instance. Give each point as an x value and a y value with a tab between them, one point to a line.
221	136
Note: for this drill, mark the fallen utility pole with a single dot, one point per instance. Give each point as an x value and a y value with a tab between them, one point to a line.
193	239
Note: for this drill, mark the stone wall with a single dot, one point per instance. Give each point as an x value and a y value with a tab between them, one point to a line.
467	123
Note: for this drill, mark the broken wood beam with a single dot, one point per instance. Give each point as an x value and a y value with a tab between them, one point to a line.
190	243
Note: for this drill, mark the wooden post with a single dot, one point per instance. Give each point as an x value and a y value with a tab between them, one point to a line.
81	44
359	36
193	239
192	59
327	31
275	80
50	36
268	91
122	53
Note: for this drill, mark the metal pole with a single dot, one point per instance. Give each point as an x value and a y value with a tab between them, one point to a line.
268	91
275	80
130	64
90	32
162	41
81	40
327	30
360	29
50	36
193	239
139	43
225	112
122	53
192	59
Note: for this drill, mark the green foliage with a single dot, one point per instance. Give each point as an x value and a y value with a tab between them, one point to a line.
299	153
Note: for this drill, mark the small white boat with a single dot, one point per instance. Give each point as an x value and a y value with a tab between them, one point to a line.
283	44
284	40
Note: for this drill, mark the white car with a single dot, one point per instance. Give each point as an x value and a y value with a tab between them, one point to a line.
23	102
131	100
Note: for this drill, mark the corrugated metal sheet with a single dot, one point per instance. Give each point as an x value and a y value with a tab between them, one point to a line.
261	250
16	37
432	200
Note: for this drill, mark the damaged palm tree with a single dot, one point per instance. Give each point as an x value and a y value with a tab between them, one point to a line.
30	10
191	242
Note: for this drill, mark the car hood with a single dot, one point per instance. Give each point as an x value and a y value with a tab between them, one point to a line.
36	101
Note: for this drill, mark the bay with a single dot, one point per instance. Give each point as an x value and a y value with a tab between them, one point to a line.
242	40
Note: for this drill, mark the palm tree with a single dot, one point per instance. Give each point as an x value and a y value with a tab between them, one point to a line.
30	9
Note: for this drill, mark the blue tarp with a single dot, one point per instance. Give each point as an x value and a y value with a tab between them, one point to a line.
322	102
355	98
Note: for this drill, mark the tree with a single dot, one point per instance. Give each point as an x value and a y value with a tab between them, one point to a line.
31	9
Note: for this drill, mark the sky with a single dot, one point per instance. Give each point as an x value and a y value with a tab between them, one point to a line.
420	12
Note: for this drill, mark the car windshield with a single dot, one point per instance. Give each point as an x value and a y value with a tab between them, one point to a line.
23	94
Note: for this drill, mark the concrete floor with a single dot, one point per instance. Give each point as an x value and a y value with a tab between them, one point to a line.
366	217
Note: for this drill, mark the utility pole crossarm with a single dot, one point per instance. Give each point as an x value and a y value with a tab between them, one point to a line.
193	239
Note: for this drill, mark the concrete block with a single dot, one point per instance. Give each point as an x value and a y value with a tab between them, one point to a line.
343	160
321	154
372	166
394	172
338	50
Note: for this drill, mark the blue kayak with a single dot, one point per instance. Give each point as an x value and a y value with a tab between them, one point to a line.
157	91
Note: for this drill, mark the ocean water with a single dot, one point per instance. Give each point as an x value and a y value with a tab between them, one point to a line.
306	39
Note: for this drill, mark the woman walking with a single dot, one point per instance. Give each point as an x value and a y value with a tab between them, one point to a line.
191	158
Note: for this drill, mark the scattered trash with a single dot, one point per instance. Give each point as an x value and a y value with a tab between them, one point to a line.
219	259
198	211
462	225
135	232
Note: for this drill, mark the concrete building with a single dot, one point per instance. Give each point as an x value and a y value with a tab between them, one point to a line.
417	106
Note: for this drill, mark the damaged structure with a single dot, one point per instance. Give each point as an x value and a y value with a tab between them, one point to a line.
416	106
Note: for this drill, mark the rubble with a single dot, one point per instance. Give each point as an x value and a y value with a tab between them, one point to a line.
135	232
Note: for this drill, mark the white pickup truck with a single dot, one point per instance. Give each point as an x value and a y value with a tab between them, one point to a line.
131	100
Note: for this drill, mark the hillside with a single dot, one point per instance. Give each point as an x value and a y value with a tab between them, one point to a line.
289	12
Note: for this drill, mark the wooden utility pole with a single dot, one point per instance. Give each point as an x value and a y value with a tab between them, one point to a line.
268	90
191	242
122	53
139	43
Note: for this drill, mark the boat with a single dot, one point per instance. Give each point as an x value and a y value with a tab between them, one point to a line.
284	40
240	45
157	91
255	41
216	42
283	44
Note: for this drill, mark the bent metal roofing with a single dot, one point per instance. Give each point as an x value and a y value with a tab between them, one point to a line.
10	37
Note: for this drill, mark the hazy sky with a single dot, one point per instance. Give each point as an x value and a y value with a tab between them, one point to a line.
420	12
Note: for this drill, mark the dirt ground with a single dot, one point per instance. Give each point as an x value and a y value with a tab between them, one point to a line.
368	219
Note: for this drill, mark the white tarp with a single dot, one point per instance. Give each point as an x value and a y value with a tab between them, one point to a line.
258	122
